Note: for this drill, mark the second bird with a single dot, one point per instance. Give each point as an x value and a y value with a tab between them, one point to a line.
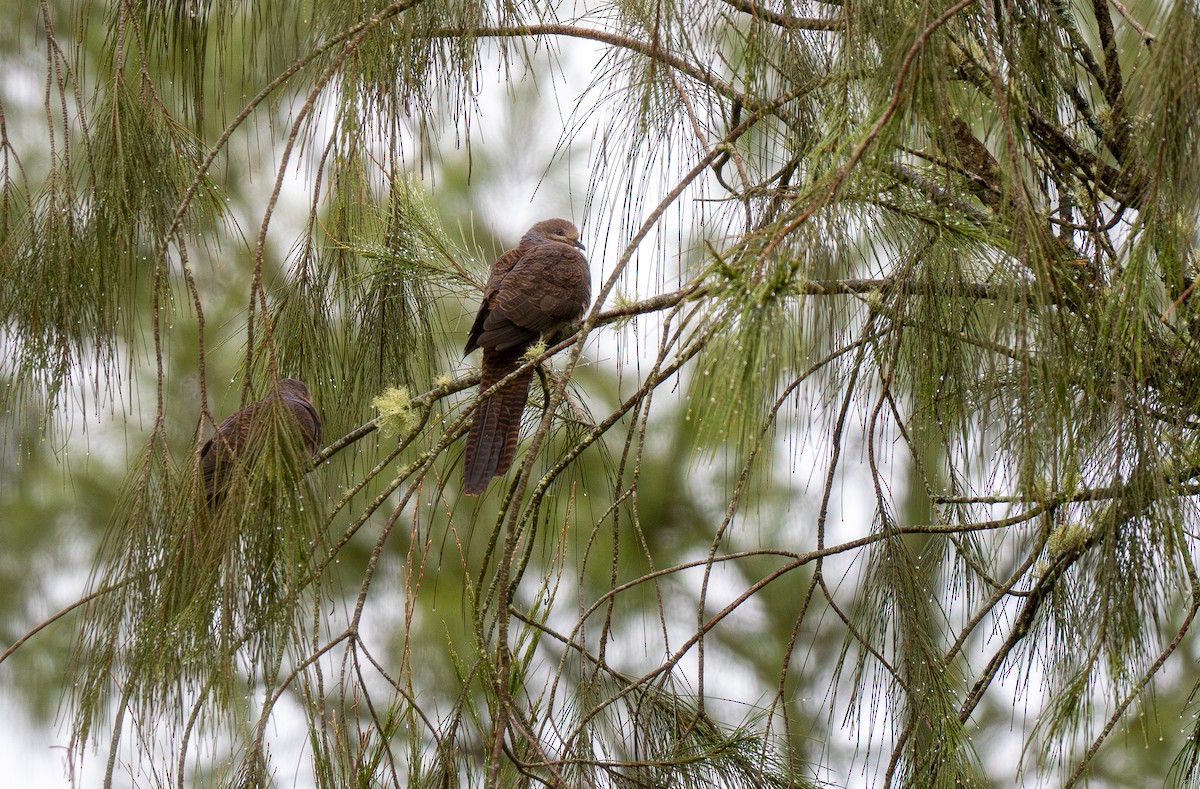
236	436
533	291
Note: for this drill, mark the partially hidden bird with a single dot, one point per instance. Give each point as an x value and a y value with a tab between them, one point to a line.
235	436
533	291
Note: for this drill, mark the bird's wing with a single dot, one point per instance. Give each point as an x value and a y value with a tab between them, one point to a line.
548	287
226	441
500	269
308	419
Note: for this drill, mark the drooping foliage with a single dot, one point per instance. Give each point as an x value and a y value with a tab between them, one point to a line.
885	416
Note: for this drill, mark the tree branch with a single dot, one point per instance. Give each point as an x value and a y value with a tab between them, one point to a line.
785	21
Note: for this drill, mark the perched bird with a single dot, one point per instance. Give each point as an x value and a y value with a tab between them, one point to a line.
235	435
533	291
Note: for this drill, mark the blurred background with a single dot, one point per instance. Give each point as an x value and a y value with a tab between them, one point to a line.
523	150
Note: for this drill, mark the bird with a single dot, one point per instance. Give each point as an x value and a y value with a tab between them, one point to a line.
533	290
237	434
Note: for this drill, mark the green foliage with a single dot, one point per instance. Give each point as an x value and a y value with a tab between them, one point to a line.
202	592
894	420
363	316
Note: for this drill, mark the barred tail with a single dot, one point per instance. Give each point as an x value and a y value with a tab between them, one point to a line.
492	439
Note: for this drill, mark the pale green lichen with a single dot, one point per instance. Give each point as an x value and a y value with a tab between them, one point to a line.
1067	538
397	417
534	351
624	301
442	380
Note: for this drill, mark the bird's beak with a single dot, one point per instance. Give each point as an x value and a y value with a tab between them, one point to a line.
578	244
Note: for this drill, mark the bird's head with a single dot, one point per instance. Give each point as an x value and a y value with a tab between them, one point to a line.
560	230
294	387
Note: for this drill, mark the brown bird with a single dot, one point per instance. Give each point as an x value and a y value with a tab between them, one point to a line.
532	292
235	434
